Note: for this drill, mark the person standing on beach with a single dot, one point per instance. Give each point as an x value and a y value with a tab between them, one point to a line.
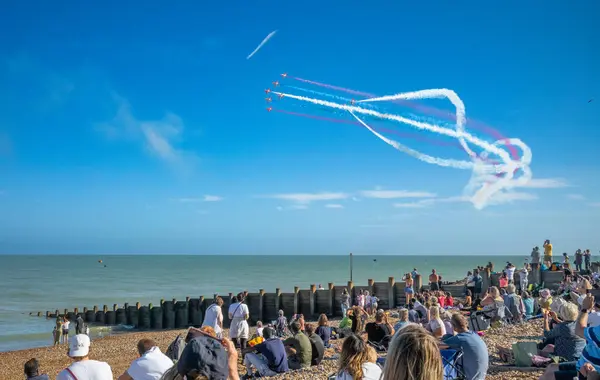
79	325
65	329
578	260
547	253
478	283
214	317
434	280
523	280
82	367
239	314
345	301
409	288
58	331
587	256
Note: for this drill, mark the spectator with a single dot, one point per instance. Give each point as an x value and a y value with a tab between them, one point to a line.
475	353
214	316
32	370
503	280
324	331
80	327
357	361
298	347
316	344
57	332
381	330
281	324
239	314
420	308
468	300
414	274
510	272
409	290
345	301
594	316
436	325
413	355
151	364
528	304
206	357
82	367
65	329
523	279
269	357
259	328
567	345
433	281
514	304
413	315
402	320
578	260
547	253
357	317
478	283
346	322
470	282
449	301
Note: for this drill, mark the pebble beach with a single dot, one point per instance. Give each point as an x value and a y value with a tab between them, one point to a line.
120	350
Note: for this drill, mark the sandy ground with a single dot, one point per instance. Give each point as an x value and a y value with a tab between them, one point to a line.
120	350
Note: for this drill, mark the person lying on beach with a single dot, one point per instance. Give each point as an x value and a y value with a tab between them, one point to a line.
268	358
357	361
151	364
83	367
32	370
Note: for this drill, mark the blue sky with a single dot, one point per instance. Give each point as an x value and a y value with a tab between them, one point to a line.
130	129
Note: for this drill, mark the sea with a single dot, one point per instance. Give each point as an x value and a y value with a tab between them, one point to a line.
37	283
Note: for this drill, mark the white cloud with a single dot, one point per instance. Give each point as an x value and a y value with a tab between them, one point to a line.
595	204
418	204
394	194
212	198
292	207
356	199
576	197
333	205
160	137
546	183
496	199
206	198
309	197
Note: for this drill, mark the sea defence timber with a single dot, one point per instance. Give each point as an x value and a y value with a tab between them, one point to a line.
264	306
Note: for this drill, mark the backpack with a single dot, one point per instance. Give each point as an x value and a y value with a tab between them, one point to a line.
176	348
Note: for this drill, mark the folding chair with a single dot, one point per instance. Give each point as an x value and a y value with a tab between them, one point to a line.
452	362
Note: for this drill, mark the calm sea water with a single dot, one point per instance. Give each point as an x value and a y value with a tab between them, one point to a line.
40	283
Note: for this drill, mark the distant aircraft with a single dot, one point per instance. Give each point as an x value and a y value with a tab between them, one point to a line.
281	96
284	75
268	100
269	109
589	101
352	102
276	83
267	90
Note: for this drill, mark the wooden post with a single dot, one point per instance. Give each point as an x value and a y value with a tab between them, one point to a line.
331	298
391	293
187	299
261	304
162	300
76	311
296	306
371	284
105	308
39	313
277	301
486	282
137	305
85	309
351	292
48	314
418	283
311	300
95	309
115	307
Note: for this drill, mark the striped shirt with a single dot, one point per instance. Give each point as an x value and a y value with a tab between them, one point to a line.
591	352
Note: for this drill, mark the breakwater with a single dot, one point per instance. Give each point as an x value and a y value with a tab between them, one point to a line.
264	306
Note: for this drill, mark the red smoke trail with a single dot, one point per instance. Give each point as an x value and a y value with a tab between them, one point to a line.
425	109
415	136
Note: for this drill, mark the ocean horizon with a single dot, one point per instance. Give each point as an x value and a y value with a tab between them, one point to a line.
37	283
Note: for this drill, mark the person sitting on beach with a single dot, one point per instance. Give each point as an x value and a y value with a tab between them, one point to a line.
346	322
65	329
357	361
413	355
413	315
514	303
316	344
381	331
503	280
494	307
402	320
528	304
324	331
475	360
214	316
358	316
151	364
567	345
238	313
205	357
83	367
269	357
259	328
298	347
436	325
441	298
32	370
421	309
281	325
468	300
433	280
449	301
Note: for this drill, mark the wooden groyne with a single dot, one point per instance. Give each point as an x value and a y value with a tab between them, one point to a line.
265	306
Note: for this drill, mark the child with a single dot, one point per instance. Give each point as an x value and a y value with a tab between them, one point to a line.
56	334
566	261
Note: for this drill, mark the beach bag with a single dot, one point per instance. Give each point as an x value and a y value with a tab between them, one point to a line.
523	353
175	348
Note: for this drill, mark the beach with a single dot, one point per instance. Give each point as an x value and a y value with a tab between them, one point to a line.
37	283
120	350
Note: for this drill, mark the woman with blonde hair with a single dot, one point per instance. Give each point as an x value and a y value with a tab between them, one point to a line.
436	325
493	295
357	360
409	288
413	355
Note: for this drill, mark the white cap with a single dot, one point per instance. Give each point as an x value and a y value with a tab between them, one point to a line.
79	346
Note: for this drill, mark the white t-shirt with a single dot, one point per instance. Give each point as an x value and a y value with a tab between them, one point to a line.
523	274
470	282
594	319
66	325
259	331
150	366
214	315
87	370
371	371
510	273
435	324
374	300
238	310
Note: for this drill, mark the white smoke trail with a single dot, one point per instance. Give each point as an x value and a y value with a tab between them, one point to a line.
267	38
327	95
416	154
483	184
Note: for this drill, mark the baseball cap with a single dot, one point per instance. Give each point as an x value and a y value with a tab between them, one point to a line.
206	356
79	346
